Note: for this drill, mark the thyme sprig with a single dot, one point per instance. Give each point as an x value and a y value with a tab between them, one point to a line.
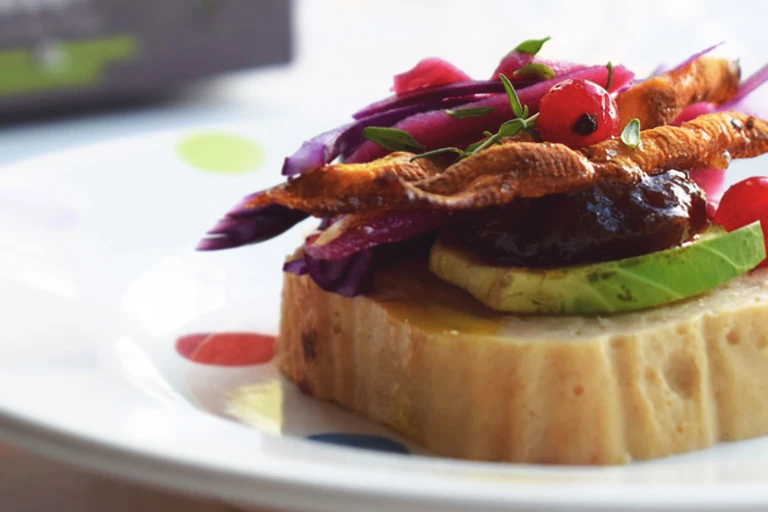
521	122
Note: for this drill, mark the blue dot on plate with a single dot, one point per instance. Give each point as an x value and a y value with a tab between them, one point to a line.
364	441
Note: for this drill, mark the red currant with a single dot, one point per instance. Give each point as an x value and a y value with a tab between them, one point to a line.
577	113
744	203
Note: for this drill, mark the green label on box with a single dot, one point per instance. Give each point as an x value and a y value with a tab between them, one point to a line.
61	65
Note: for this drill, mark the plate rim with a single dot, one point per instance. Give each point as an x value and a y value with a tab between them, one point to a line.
190	477
120	459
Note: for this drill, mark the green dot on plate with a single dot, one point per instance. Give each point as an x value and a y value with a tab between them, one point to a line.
220	152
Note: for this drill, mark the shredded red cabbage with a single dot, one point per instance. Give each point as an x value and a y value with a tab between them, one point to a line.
428	72
386	229
437	129
694	111
297	266
315	152
511	63
750	84
466	89
324	148
348	276
712	206
431	95
711	181
657	70
247	226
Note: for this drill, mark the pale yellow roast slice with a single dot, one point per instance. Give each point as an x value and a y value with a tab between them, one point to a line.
432	362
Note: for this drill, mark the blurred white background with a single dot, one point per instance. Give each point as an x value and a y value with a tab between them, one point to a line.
346	52
345	56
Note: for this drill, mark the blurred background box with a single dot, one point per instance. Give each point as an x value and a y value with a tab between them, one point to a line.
78	53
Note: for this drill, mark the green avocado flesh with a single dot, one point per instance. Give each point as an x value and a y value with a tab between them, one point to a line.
611	287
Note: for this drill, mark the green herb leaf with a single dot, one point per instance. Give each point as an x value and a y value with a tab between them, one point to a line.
464	113
531	46
514	101
392	139
536	70
630	135
512	128
437	152
610	75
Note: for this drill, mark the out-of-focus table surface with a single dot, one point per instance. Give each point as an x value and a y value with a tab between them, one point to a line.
29	483
346	54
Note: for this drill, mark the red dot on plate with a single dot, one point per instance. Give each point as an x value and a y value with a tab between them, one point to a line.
227	348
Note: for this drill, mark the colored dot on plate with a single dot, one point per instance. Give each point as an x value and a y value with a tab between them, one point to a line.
364	441
25	208
227	348
220	152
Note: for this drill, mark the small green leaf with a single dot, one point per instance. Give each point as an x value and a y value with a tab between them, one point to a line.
536	70
437	152
610	75
514	101
512	128
392	139
531	46
630	135
464	113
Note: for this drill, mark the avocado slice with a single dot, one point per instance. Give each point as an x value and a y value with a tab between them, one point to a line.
609	287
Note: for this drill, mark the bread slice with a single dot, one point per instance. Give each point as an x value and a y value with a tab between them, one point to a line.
429	360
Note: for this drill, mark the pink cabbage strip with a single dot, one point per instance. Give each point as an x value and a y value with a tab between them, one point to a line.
516	60
324	148
508	66
430	95
749	85
427	73
437	129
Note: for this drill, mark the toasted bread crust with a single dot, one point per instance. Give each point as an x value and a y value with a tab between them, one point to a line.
426	359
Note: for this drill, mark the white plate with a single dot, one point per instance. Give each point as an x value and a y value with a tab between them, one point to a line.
98	278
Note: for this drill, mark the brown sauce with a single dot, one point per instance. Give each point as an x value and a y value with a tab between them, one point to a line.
602	223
